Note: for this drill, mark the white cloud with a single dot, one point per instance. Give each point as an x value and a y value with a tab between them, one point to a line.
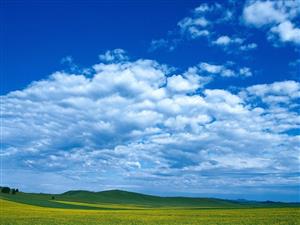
278	16
210	68
188	82
195	27
224	70
245	71
287	32
280	103
114	55
285	91
260	13
205	21
198	25
134	123
203	8
189	22
225	40
181	84
232	44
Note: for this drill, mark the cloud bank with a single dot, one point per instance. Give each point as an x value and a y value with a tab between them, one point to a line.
137	125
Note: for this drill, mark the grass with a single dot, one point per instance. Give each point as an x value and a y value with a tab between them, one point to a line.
13	213
128	208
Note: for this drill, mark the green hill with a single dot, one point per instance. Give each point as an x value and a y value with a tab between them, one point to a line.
125	197
117	199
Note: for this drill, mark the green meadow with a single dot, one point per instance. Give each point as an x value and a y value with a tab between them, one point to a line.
120	207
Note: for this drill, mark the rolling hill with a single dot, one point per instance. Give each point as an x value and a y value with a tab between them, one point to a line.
118	199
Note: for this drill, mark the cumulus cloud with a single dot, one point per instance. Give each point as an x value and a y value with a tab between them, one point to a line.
228	43
225	40
227	70
195	27
134	124
287	32
179	83
277	92
260	13
278	16
114	55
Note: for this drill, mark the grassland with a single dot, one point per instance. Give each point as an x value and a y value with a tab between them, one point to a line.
98	208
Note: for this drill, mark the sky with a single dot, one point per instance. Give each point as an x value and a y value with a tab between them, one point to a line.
197	98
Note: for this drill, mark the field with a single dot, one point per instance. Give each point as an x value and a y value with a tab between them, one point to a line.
60	211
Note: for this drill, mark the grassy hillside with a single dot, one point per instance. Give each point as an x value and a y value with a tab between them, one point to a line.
107	199
44	200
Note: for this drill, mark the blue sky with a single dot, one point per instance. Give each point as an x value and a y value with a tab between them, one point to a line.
197	98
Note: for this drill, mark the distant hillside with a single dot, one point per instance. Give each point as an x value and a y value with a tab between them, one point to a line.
92	200
125	197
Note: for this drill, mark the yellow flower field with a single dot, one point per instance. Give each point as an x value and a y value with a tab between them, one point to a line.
18	214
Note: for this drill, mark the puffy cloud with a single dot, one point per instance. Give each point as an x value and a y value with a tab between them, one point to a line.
195	27
282	92
245	71
210	68
230	44
277	16
225	70
287	32
190	81
225	40
134	124
260	13
180	84
114	55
